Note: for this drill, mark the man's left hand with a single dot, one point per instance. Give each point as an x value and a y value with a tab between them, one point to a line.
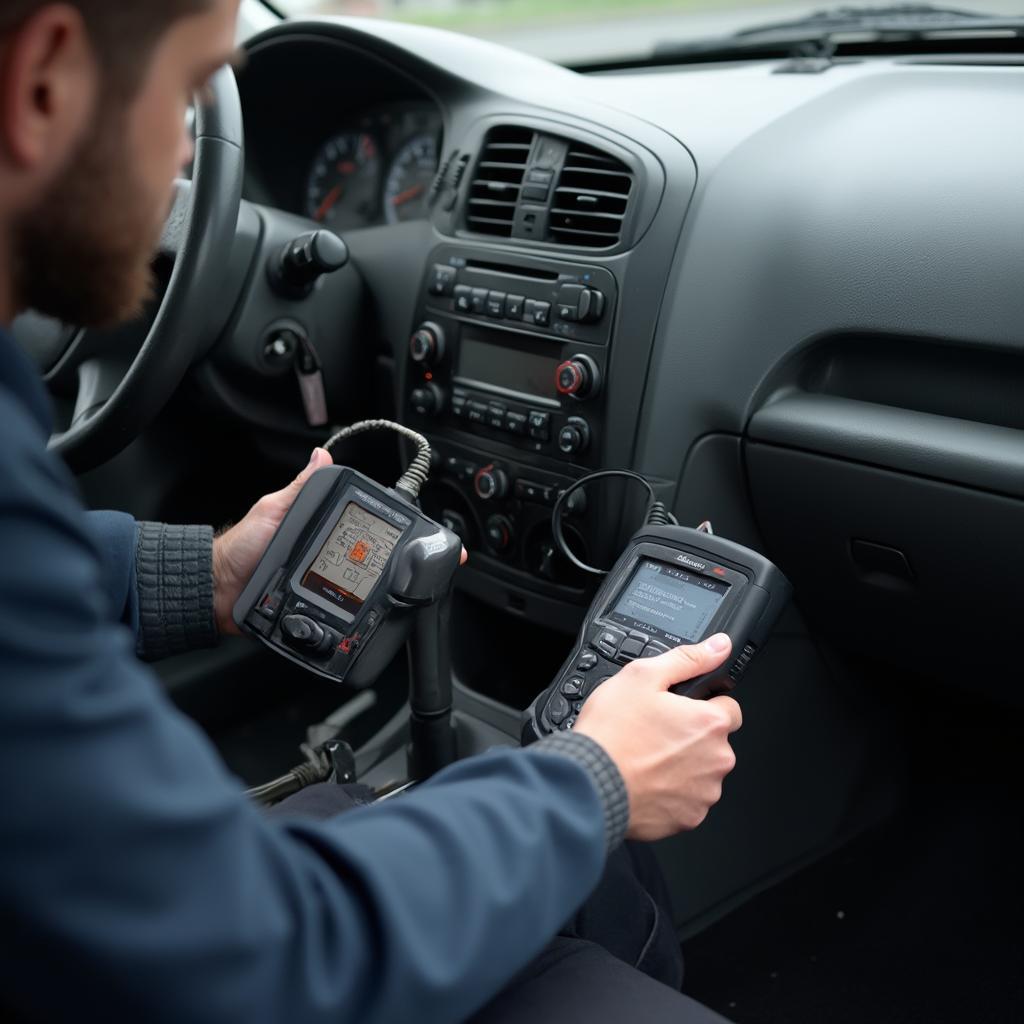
237	551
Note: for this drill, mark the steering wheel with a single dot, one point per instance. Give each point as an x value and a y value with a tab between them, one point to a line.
111	406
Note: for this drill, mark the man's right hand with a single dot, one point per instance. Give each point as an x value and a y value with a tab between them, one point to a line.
672	752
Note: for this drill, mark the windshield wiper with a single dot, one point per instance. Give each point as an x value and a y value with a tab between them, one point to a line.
821	32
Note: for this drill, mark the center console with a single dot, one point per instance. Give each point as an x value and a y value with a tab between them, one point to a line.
507	375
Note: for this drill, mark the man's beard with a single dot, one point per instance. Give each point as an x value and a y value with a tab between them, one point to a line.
83	254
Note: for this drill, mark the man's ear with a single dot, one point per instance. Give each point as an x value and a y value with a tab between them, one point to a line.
48	88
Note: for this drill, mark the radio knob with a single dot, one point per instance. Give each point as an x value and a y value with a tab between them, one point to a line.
427	400
426	346
577	376
500	533
574	437
490	483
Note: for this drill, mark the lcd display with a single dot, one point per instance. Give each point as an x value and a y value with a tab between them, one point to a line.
351	560
506	363
667	602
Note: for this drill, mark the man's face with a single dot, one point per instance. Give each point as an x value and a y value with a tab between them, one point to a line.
83	253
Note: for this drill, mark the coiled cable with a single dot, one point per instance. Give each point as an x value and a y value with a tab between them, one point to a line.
415	476
656	515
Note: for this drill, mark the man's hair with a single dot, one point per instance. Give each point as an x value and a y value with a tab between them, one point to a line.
123	33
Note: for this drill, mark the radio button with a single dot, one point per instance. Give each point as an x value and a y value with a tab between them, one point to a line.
442	280
464	298
516	422
496	304
514	305
478	300
476	412
538	313
540	425
496	416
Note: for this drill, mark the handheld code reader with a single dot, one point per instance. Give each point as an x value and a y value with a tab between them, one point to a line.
339	584
672	586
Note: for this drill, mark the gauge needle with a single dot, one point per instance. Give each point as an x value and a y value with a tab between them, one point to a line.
404	197
329	200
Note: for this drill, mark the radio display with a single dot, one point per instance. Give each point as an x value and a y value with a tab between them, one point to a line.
668	603
351	560
506	363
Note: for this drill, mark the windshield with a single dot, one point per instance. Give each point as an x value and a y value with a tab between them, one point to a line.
591	31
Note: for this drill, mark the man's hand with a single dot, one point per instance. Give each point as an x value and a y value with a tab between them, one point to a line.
672	752
237	551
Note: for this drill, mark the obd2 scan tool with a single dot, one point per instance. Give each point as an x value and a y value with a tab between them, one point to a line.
340	583
671	586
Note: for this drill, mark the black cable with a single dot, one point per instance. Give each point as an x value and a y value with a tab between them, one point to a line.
416	474
656	515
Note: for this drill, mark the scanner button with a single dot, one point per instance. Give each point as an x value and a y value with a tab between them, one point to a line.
572	687
558	709
630	649
653	649
302	630
568	724
587	662
637	635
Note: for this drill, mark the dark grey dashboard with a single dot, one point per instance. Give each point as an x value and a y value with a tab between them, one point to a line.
814	330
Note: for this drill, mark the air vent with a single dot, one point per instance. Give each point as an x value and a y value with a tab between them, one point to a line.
494	189
590	199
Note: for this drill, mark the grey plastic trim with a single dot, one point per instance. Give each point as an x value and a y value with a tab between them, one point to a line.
959	451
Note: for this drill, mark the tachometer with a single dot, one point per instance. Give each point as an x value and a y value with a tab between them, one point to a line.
408	180
344	182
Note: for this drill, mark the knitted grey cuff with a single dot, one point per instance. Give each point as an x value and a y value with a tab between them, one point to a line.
174	575
605	773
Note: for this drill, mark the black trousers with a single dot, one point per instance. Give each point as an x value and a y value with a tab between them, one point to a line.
617	961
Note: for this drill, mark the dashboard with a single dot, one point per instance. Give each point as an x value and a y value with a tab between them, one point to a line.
721	276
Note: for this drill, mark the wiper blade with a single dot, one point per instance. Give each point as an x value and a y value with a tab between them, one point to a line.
894	17
820	33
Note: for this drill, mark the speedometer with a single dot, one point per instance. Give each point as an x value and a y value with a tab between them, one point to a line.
344	182
408	180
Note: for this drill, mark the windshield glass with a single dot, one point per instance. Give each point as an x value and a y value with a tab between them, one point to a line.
590	31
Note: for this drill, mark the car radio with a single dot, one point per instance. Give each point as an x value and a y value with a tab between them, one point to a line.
672	586
338	586
513	351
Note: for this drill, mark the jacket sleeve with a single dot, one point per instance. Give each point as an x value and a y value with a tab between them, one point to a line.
138	882
158	580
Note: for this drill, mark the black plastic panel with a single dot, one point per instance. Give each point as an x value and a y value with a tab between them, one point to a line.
918	573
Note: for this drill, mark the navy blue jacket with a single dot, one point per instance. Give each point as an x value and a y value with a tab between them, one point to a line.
138	883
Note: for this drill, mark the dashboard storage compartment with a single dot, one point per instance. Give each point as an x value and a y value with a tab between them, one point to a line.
920	573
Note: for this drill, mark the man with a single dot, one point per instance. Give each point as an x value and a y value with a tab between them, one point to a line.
136	881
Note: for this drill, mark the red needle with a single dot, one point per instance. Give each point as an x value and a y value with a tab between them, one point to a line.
329	200
409	193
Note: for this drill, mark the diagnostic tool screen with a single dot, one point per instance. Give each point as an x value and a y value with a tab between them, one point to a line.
352	558
667	602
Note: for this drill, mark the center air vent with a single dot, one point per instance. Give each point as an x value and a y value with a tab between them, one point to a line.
590	199
494	189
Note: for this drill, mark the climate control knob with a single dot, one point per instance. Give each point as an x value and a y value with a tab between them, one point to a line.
500	533
426	346
427	400
577	376
490	482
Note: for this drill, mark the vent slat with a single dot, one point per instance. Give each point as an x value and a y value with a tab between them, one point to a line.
590	199
497	178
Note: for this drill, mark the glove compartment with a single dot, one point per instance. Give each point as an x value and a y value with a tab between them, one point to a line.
901	525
